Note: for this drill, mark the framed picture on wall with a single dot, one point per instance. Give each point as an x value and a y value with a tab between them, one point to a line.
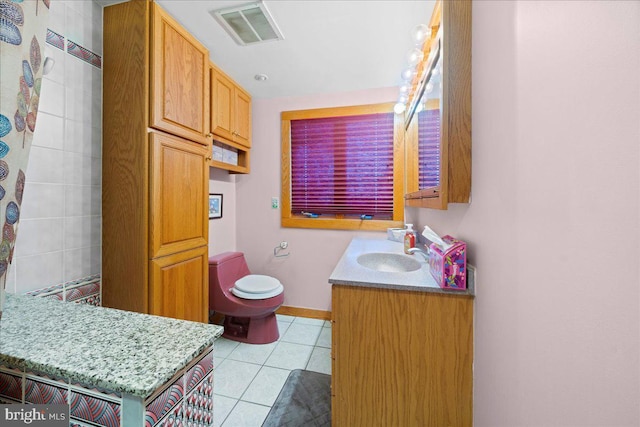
215	206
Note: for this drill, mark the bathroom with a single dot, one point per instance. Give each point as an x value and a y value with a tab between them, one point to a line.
557	326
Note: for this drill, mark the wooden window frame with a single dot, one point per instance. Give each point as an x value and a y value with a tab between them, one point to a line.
335	222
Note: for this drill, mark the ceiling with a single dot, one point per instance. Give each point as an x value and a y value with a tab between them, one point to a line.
328	47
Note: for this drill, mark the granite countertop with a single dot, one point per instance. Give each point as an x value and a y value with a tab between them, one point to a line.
349	273
118	350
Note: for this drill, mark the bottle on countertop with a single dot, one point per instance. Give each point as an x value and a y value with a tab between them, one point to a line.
409	238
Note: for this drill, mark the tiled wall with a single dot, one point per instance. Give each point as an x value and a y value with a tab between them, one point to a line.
186	399
60	227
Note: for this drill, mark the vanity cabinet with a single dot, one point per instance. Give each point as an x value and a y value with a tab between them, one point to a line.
155	164
230	109
401	358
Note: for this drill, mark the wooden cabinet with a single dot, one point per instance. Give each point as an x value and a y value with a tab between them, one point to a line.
179	80
155	164
177	280
446	176
230	110
179	195
401	358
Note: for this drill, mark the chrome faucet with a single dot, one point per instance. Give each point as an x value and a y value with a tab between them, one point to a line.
422	252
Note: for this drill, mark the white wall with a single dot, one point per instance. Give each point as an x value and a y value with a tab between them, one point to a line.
554	221
60	223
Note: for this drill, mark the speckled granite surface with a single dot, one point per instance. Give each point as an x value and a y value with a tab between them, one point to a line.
348	272
113	349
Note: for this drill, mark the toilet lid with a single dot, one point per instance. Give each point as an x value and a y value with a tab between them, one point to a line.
265	295
257	284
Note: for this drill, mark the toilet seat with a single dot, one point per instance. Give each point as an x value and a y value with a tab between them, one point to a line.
257	286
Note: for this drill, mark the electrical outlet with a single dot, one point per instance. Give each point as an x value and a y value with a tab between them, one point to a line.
275	203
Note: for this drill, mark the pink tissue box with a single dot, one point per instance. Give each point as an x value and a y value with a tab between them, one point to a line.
449	268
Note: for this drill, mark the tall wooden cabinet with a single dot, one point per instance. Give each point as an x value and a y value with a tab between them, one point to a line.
401	358
156	152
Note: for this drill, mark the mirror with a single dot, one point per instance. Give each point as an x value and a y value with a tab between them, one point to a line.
438	120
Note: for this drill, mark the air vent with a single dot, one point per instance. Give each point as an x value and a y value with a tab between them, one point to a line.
248	24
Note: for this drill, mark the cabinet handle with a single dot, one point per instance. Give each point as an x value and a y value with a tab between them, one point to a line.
208	158
209	135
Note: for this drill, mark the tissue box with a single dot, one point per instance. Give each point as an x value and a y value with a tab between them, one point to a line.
449	268
230	155
217	152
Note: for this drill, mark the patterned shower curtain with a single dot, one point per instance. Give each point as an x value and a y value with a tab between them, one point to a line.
23	28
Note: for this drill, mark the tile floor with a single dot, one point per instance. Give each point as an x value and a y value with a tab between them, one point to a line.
248	378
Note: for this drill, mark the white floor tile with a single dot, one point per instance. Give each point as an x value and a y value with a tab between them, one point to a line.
252	353
246	414
232	378
289	356
284	318
222	407
324	340
217	361
222	347
302	334
308	321
320	360
266	386
282	327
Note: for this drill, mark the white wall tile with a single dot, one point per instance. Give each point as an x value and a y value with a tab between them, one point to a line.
45	165
82	138
58	71
11	278
38	271
82	232
49	131
51	98
78	169
42	201
81	262
82	200
38	236
57	15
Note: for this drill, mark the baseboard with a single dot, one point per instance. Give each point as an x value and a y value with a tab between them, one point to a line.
304	312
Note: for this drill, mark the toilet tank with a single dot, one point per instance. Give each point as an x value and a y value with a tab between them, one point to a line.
225	269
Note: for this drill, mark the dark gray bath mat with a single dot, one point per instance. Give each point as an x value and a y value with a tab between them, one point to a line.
305	400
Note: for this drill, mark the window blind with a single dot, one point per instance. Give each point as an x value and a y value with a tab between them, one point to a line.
429	148
343	165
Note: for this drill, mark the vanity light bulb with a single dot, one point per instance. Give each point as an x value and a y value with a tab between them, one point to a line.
415	56
435	72
403	99
419	107
407	74
399	108
420	33
429	87
405	88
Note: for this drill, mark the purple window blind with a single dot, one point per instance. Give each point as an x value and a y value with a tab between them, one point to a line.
429	148
343	165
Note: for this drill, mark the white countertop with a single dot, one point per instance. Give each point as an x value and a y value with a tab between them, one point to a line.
348	272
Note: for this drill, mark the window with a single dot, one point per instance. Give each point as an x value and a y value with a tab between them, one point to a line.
343	168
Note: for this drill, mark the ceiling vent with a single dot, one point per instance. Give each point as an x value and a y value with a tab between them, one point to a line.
248	24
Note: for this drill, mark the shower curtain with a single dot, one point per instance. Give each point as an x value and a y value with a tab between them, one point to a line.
23	28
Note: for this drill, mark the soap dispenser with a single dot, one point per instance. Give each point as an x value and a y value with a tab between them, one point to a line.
409	239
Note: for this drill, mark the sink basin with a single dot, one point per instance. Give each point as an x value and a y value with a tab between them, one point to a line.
388	262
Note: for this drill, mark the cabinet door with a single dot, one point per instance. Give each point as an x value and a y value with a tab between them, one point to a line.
412	365
179	80
179	285
222	105
179	176
242	116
